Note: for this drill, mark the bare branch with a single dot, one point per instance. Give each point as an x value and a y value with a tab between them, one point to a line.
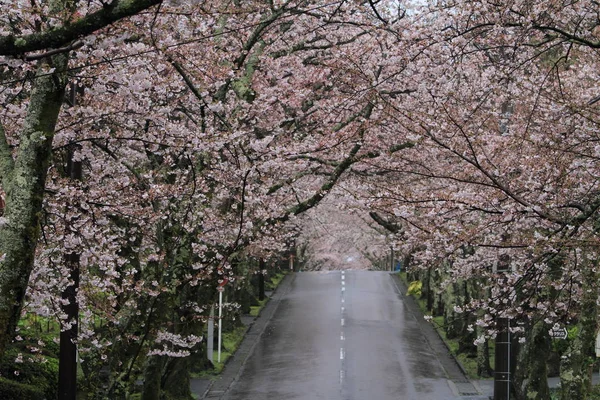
190	84
78	44
379	17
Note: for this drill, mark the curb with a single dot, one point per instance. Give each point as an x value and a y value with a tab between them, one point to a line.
236	362
458	377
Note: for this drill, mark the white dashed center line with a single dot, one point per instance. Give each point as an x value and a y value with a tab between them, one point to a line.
343	323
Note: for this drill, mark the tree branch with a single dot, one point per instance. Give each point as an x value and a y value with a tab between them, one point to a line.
324	189
386	224
190	84
76	45
379	17
11	45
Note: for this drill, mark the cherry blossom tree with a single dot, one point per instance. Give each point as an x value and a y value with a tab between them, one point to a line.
503	169
200	127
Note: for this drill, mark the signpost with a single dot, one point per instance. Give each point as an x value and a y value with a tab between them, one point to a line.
211	334
220	289
558	332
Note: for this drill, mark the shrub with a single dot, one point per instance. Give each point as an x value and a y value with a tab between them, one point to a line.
11	390
33	370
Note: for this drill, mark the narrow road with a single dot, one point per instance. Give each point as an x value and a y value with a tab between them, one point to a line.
342	336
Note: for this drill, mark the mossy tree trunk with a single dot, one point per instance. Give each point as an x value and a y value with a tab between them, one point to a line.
536	357
153	378
23	180
176	379
575	368
484	369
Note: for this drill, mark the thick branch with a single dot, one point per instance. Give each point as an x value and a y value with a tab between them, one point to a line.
256	36
569	36
388	225
11	45
324	189
289	181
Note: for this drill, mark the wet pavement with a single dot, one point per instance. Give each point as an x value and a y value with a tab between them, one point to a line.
342	336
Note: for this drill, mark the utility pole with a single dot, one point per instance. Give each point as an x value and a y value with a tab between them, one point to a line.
67	362
503	356
502	376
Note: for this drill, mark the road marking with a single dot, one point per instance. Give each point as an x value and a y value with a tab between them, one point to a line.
343	322
342	337
343	309
343	300
343	289
341	376
343	283
342	353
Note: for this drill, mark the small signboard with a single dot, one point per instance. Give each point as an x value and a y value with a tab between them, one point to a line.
220	289
558	332
598	345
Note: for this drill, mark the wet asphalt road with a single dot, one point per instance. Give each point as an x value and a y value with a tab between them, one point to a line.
342	336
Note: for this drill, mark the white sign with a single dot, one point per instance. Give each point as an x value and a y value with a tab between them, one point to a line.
558	332
598	345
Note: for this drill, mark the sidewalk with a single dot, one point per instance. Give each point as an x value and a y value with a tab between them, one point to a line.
215	388
468	389
457	378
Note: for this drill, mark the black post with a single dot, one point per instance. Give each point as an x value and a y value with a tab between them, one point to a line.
502	376
67	362
261	280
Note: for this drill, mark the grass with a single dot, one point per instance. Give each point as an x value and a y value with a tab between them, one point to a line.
255	310
271	284
276	280
232	340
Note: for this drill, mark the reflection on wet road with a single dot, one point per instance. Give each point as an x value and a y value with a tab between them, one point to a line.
342	336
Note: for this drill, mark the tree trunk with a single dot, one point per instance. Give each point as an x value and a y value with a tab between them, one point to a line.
153	377
575	374
538	351
484	369
24	183
176	384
